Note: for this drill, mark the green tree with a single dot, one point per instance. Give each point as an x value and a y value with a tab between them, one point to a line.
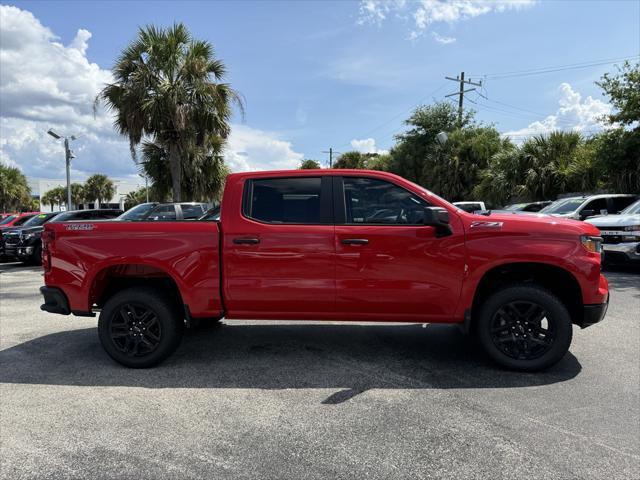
14	189
309	164
352	160
99	187
55	196
77	194
204	172
623	90
168	88
134	198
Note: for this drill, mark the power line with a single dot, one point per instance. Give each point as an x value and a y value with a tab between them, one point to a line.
403	112
557	68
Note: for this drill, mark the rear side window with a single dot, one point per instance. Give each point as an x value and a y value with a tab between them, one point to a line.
372	201
284	200
190	211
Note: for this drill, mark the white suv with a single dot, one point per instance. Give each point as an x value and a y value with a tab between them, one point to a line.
581	208
620	234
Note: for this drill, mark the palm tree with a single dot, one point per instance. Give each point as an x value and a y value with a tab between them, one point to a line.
167	88
14	189
203	167
99	187
77	194
55	196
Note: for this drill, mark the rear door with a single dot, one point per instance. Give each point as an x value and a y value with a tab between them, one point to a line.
389	265
278	250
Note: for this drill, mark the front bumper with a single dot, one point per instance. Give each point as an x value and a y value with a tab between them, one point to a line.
55	301
593	314
621	252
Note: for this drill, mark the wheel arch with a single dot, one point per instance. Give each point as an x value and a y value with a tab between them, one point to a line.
557	280
117	277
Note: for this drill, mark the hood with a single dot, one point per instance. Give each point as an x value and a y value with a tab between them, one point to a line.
532	223
23	231
615	220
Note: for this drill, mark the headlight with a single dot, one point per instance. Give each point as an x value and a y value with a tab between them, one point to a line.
592	244
631	228
27	236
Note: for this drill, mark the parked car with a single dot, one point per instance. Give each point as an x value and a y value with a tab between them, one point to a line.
29	246
580	208
300	245
165	212
16	219
620	235
470	206
527	206
11	238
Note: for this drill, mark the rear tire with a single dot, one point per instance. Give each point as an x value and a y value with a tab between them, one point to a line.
524	327
139	328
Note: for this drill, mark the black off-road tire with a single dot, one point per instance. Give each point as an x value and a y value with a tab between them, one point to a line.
133	319
501	329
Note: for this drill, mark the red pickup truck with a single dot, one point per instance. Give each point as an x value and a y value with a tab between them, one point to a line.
348	245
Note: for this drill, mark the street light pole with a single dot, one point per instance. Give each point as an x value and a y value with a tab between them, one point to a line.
68	155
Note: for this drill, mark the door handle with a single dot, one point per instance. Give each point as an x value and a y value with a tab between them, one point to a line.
355	241
246	241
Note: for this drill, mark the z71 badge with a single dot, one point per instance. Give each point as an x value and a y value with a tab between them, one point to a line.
79	226
484	224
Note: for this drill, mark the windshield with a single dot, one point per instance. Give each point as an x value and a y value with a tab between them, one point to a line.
567	205
137	212
631	209
7	219
39	219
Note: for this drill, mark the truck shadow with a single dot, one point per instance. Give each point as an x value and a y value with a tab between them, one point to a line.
347	358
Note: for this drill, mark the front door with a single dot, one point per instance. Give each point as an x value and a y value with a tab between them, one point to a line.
279	253
389	266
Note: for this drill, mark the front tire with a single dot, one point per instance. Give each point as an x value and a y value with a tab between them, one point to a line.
525	328
139	328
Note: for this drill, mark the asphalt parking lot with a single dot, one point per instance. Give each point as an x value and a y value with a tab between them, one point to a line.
304	400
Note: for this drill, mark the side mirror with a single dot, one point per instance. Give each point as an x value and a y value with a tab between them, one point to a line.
586	214
437	217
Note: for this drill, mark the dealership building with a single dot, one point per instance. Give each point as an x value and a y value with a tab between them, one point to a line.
40	186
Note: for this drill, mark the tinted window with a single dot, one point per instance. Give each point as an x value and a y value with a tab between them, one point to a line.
7	219
22	220
599	206
371	201
620	203
191	211
632	209
566	205
137	212
163	212
285	200
212	214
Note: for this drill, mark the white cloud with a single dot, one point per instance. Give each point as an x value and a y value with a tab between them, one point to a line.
251	149
442	39
573	113
428	12
45	84
366	145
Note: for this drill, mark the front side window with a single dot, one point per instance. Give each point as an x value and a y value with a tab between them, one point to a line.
599	206
620	203
284	200
372	201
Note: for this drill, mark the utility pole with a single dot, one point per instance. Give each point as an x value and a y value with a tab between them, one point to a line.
68	156
330	152
460	93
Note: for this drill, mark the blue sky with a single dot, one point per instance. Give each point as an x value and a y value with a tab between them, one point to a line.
314	74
